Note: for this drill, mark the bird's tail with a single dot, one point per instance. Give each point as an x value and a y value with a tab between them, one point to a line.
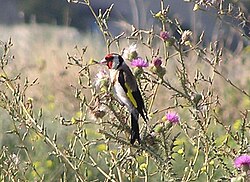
135	135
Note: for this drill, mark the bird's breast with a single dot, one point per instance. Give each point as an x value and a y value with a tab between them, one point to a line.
113	76
118	90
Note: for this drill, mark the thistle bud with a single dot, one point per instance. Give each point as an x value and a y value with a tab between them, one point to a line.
158	128
170	42
157	62
164	35
138	71
161	72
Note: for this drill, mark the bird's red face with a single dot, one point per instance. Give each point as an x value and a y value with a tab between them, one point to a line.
109	58
113	61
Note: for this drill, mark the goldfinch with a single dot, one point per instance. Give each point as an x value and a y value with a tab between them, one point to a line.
126	90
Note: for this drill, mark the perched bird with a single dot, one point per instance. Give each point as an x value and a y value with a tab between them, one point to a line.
126	91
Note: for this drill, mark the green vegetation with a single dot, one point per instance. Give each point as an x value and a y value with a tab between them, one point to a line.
60	121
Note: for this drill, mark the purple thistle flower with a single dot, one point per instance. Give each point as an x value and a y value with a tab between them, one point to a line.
139	62
243	160
173	117
165	35
157	62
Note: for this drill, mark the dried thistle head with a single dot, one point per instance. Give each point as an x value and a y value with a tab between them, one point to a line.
130	53
98	109
186	37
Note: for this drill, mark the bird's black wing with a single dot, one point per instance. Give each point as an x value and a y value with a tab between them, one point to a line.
135	135
129	85
140	104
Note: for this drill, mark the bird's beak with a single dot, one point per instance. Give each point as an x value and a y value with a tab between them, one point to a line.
103	61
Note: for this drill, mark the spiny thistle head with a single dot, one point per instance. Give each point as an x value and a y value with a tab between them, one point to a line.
242	161
157	62
186	37
139	62
101	80
172	117
157	68
130	53
165	35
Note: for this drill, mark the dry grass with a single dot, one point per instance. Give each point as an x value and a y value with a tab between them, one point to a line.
41	52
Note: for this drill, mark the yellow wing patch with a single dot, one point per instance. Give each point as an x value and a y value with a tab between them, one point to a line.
130	95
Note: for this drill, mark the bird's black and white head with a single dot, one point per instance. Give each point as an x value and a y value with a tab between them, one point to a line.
113	61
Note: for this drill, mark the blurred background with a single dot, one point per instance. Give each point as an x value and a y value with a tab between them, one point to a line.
44	31
136	12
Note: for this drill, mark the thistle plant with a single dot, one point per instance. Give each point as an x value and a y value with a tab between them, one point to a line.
188	136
